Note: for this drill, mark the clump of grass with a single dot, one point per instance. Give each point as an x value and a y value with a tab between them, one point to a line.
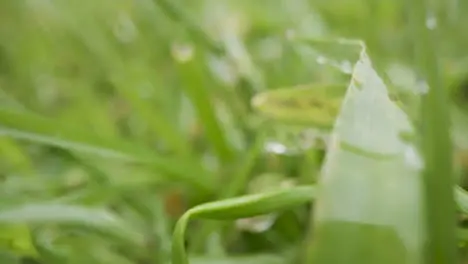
120	121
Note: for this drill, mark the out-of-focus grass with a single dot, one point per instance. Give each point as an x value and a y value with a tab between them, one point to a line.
435	143
116	116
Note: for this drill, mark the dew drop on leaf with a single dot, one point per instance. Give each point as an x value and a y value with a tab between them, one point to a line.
182	52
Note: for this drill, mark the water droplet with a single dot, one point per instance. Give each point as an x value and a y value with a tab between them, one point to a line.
412	158
259	100
295	141
224	70
431	22
402	76
256	224
276	147
343	66
346	67
321	60
421	87
182	52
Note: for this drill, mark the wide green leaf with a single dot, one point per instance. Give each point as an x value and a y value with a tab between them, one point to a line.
370	182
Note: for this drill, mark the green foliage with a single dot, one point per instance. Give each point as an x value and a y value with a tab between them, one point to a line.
242	207
122	120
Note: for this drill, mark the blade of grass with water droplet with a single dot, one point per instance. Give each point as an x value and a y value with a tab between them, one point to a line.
364	165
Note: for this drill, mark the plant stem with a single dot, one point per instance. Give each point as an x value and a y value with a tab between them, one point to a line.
436	145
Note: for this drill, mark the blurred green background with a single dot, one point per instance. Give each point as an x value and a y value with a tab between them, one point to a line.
132	111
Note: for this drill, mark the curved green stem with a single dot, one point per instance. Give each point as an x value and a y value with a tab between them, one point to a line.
235	208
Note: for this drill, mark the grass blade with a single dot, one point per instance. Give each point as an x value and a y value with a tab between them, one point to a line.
235	187
240	207
98	219
436	144
176	12
46	213
195	86
38	129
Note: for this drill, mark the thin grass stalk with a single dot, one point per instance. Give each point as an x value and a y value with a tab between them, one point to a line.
436	144
177	13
